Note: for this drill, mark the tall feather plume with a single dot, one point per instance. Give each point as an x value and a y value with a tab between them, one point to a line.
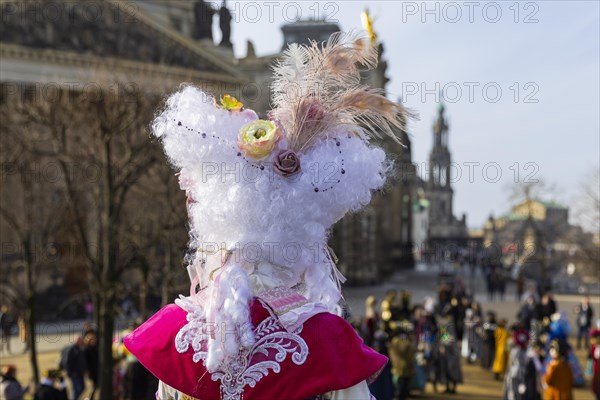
370	108
318	86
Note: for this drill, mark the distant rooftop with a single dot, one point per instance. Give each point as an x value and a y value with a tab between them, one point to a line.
303	31
551	204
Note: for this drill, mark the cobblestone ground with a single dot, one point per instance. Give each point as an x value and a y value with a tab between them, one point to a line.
422	281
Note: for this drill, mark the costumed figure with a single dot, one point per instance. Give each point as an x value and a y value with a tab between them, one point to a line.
420	323
470	342
402	356
428	343
501	354
370	324
383	387
488	341
261	319
594	359
522	379
559	330
558	377
449	358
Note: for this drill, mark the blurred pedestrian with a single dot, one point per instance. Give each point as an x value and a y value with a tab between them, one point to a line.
449	359
514	379
455	311
87	328
594	359
559	377
531	291
546	310
585	316
402	356
136	381
47	389
23	332
500	355
6	324
488	341
560	330
383	387
471	340
444	294
10	388
528	313
500	282
389	308
73	362
405	311
534	373
371	321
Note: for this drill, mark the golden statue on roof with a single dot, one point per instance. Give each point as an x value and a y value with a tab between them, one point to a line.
367	23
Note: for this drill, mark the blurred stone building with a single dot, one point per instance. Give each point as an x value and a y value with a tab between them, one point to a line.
536	239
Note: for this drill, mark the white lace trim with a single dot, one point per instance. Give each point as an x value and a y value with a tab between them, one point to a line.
295	318
273	342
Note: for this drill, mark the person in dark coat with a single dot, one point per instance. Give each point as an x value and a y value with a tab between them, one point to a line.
594	359
138	382
383	387
528	313
585	315
6	325
74	363
546	309
489	341
449	360
47	389
10	388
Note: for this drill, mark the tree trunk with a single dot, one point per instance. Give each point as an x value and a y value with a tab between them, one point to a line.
31	321
144	295
167	277
107	278
106	328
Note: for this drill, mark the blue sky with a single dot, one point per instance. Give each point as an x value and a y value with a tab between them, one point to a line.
544	57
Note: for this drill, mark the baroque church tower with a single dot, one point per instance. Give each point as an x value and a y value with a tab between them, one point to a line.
438	183
444	227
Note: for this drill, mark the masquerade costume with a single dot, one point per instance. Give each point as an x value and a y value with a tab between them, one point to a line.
559	331
261	320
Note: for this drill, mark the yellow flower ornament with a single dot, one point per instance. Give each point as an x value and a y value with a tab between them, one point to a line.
231	103
257	139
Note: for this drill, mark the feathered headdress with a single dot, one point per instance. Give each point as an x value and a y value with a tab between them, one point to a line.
318	87
263	194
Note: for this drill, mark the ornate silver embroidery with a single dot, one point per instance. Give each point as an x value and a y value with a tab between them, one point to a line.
273	344
193	333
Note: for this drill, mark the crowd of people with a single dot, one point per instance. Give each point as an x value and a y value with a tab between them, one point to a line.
421	341
426	341
8	321
79	362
